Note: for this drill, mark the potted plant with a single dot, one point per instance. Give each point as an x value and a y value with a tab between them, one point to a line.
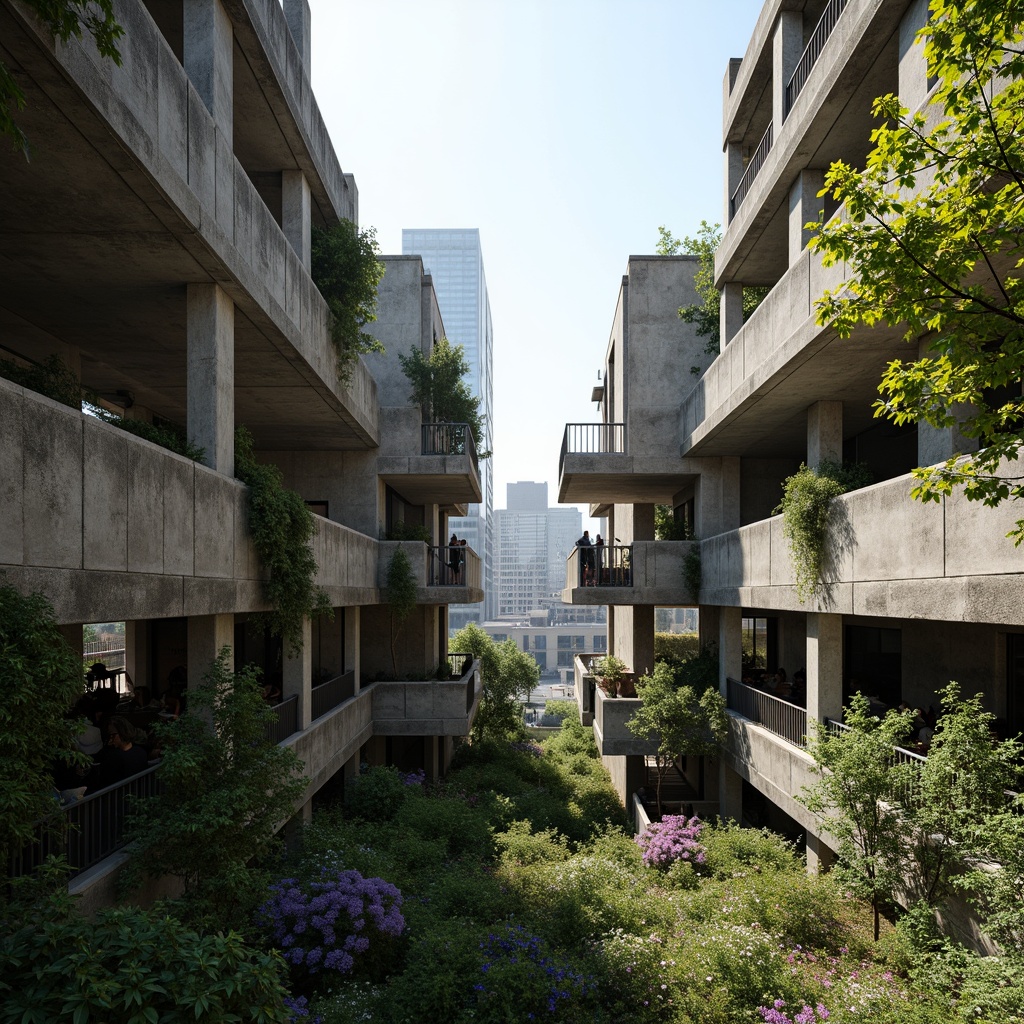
610	672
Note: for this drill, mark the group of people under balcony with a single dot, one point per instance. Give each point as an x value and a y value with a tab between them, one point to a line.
118	736
457	560
591	559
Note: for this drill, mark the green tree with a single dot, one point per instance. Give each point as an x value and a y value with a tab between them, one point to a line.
226	790
857	778
439	385
400	594
64	19
932	229
42	679
508	675
687	720
706	313
346	270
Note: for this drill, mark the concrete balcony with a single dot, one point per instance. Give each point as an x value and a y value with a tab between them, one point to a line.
610	733
953	561
644	572
428	463
109	526
437	582
429	708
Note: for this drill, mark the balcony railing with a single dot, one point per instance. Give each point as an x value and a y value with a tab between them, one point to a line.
776	715
908	790
286	722
449	439
327	696
826	23
604	565
461	665
453	567
592	439
86	831
764	147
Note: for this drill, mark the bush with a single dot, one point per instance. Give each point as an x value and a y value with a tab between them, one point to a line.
671	839
334	924
376	794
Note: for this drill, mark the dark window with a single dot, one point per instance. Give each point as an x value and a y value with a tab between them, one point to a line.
565	659
872	664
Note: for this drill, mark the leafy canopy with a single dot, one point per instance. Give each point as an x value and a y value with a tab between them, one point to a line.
226	789
42	679
64	18
508	675
439	384
347	272
932	229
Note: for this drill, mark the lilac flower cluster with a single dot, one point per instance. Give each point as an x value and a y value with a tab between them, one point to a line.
416	778
299	1010
671	839
776	1014
528	747
518	972
327	924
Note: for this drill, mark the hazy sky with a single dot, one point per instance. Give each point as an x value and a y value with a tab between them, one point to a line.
566	131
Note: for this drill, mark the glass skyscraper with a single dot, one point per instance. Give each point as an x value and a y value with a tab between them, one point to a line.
453	258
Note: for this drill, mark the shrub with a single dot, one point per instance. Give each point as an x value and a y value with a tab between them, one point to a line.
332	924
52	378
733	850
671	839
560	709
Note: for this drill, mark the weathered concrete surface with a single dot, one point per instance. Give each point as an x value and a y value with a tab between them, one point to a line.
610	733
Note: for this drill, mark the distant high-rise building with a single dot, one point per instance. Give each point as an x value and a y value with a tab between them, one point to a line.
453	258
533	542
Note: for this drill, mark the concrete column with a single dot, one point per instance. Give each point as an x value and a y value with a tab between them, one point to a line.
936	444
209	59
643	639
787	46
707	624
730	315
352	643
430	757
819	856
804	206
330	631
211	374
730	793
293	827
824	667
730	646
207	635
350	769
296	13
296	213
137	652
733	173
913	69
643	522
297	678
717	495
824	433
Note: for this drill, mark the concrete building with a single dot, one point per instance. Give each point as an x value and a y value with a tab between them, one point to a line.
159	242
533	542
915	594
555	648
454	259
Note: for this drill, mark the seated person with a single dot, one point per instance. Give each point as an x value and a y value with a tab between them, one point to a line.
123	758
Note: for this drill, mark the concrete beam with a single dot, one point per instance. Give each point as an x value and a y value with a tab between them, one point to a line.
296	212
787	46
209	59
211	374
730	313
824	667
804	206
296	13
297	676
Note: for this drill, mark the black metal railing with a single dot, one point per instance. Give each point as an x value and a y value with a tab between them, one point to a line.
327	696
453	566
286	722
592	439
87	831
754	165
826	23
449	439
600	565
776	715
908	791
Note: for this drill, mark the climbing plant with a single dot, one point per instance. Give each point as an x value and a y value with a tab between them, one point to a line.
347	272
806	501
281	527
692	572
400	594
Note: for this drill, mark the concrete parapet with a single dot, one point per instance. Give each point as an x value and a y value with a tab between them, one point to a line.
610	733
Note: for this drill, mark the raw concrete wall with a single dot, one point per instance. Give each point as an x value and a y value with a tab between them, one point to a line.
952	560
108	525
612	736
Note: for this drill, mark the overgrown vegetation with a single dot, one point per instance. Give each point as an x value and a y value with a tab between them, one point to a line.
226	789
167	435
931	232
64	19
400	595
706	314
282	528
439	385
346	270
806	503
42	679
693	573
507	675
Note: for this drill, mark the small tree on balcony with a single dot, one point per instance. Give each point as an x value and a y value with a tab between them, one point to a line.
439	385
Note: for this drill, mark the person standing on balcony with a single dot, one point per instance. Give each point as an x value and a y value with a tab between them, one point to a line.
586	546
455	558
599	554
